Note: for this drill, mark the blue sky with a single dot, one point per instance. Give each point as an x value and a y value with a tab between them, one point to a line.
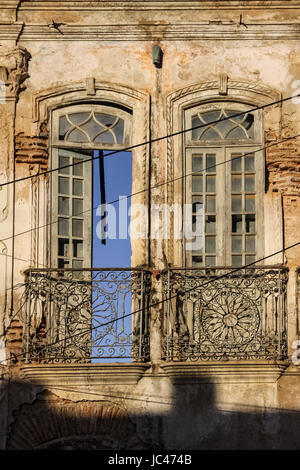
118	182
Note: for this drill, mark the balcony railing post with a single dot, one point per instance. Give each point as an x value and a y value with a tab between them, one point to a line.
27	315
141	315
169	293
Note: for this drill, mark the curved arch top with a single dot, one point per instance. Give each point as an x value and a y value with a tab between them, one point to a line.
87	91
240	90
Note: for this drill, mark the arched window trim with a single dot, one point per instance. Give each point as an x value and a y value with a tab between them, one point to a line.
222	234
97	108
75	230
246	93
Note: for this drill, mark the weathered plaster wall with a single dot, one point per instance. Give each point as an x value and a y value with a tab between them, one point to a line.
113	44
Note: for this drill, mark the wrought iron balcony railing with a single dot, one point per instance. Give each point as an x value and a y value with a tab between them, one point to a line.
90	315
225	314
71	315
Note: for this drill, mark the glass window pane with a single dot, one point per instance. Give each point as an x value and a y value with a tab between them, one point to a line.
63	185
250	259
77	249
250	183
250	223
210	224
63	247
107	120
210	203
63	226
197	203
77	228
197	225
79	118
249	162
211	116
236	183
77	206
106	138
210	260
237	244
197	184
64	161
63	263
195	123
237	260
197	245
250	244
237	133
210	134
78	168
250	203
236	203
77	136
236	163
197	261
210	244
77	264
64	126
237	223
211	184
211	162
197	163
63	205
77	187
119	131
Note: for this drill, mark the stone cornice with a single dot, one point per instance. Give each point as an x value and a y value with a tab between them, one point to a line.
153	5
224	372
206	30
177	372
84	374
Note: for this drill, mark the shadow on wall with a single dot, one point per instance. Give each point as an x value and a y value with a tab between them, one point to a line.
39	419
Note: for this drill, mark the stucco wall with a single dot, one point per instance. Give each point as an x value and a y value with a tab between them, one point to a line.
256	48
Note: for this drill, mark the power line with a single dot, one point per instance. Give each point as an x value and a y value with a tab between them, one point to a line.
21	259
222	276
154	187
148	142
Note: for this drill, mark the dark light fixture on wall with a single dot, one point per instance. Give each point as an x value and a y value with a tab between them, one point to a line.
157	55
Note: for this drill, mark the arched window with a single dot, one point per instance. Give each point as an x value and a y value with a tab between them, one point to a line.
224	169
77	133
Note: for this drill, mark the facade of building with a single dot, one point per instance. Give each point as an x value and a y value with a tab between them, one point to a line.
195	344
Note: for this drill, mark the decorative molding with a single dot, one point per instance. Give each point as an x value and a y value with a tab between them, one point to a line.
90	86
69	93
260	92
227	372
84	374
47	100
244	91
14	71
217	30
151	5
223	84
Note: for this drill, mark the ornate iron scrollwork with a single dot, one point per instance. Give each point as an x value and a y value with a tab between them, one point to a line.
211	316
88	315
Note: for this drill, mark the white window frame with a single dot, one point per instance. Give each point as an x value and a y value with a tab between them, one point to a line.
223	150
65	146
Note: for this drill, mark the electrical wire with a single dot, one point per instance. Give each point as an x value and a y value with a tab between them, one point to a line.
155	304
132	147
154	187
